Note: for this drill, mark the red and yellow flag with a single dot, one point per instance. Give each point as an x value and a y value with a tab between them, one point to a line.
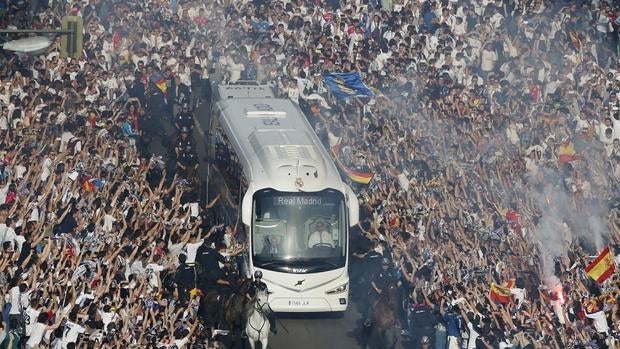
501	293
567	152
160	82
574	39
355	175
602	267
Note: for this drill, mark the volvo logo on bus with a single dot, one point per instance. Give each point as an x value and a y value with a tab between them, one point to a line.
299	271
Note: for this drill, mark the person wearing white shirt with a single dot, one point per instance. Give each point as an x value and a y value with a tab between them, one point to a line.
185	335
5	235
292	91
39	328
46	169
184	75
31	314
175	247
488	59
71	333
531	163
459	26
320	237
107	316
108	221
558	308
152	273
235	67
519	295
600	321
473	336
18	242
192	248
19	297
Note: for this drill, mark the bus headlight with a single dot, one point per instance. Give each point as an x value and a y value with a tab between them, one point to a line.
340	289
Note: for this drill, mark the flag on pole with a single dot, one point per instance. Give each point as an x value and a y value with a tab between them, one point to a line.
355	175
160	82
345	85
501	293
602	267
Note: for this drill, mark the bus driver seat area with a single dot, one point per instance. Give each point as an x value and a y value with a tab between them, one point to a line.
320	236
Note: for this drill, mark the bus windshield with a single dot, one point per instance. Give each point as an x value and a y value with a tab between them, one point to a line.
299	232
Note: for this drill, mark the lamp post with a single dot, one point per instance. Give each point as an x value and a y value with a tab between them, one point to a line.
71	43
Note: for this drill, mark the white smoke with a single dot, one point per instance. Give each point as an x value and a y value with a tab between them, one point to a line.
563	219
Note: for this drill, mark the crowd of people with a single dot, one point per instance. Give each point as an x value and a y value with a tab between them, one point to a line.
491	136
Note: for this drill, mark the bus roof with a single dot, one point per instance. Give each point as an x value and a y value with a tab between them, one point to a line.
276	145
245	89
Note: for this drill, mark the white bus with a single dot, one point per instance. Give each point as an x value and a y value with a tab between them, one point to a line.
288	189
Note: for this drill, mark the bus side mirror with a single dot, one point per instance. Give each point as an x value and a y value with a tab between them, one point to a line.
246	208
353	205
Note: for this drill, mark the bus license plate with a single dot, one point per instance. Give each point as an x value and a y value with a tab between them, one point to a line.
298	303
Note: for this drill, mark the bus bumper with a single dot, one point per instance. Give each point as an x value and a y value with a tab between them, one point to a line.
328	303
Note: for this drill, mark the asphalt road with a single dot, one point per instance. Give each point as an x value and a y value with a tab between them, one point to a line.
311	331
316	331
295	331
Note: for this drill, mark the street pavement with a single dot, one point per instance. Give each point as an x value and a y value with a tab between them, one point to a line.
321	330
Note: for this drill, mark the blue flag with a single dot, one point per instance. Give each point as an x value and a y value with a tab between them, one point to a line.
345	85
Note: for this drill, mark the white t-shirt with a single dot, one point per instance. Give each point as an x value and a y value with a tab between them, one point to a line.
46	170
135	268
30	319
19	242
151	270
6	233
107	318
36	334
71	333
108	220
191	251
64	139
559	310
488	60
17	297
600	321
235	70
519	294
175	249
473	335
181	343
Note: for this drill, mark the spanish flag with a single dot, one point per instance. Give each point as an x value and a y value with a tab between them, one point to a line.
602	267
501	293
574	39
355	175
567	152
